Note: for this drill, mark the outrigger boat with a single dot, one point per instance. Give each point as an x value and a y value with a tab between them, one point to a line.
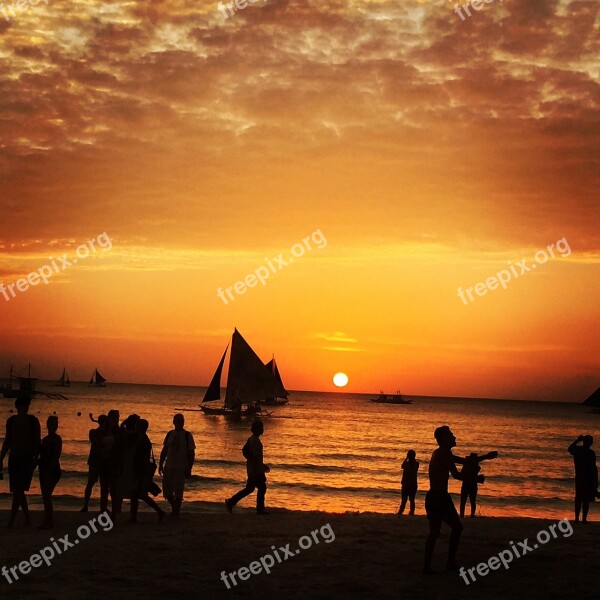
249	382
27	387
388	399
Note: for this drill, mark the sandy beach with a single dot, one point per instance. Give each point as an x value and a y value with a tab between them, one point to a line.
372	556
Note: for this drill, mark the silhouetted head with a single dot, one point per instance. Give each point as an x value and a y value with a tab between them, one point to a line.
52	424
113	418
257	428
130	421
588	440
141	426
178	421
473	456
102	420
411	455
444	437
22	405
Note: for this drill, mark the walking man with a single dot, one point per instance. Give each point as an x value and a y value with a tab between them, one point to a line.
22	443
179	453
256	469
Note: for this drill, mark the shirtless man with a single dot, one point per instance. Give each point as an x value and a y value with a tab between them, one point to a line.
438	502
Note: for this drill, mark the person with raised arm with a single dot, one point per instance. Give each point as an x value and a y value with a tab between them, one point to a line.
471	478
438	502
586	475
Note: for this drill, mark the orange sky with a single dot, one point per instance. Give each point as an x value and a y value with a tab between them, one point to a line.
428	151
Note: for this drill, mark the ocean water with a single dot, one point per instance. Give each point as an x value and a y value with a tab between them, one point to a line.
339	452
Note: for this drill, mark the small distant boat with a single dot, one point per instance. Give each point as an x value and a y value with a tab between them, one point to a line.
593	401
281	394
249	382
389	399
25	388
64	380
97	380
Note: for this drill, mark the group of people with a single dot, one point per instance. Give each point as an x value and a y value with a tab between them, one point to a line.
120	458
439	506
469	475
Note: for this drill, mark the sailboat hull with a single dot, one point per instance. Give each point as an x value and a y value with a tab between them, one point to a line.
249	411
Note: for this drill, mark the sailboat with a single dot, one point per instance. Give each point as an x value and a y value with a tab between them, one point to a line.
396	399
281	394
249	382
594	401
97	380
64	380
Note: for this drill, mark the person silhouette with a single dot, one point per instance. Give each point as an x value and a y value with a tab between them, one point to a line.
49	469
93	459
255	469
179	453
470	480
22	444
110	463
410	468
586	475
438	502
142	470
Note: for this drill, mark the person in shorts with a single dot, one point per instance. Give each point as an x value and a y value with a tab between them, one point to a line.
438	502
22	444
176	462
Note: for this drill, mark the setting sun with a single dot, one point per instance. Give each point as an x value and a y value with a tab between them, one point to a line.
340	379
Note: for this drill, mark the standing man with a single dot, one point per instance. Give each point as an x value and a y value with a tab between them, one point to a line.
586	475
22	443
179	453
438	502
256	469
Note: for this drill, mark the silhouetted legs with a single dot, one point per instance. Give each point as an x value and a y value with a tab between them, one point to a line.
108	486
19	501
92	480
135	501
407	496
579	504
435	526
47	488
254	483
471	494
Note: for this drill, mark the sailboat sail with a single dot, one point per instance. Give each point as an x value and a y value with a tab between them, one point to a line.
593	400
280	391
248	380
64	380
97	379
214	389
